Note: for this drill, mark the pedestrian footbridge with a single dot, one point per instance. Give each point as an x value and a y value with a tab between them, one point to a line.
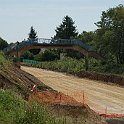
74	44
19	47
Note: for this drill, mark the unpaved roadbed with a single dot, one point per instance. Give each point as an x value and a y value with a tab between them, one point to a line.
97	95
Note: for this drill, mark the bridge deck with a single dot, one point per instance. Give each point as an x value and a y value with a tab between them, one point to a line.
75	44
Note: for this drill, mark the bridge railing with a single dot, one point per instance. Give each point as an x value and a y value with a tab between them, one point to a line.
50	41
66	42
43	41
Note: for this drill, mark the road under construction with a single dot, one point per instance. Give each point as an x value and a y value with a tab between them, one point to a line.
100	97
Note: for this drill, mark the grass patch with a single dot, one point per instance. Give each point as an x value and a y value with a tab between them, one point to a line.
4	63
15	110
65	65
11	106
38	114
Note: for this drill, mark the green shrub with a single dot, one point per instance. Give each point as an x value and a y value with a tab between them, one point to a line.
27	55
11	106
65	65
74	65
38	114
109	68
47	55
15	110
3	61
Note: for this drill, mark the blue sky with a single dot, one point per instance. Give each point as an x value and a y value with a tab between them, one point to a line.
17	16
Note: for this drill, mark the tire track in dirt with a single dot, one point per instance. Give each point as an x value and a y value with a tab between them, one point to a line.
98	95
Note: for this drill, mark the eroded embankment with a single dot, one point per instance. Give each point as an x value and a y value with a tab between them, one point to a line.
64	106
18	80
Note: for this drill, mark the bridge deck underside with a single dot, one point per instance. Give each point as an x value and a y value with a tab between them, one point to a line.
60	46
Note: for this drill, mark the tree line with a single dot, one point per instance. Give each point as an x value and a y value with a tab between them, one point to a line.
108	38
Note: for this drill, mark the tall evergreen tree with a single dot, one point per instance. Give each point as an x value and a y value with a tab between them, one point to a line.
32	34
32	37
66	30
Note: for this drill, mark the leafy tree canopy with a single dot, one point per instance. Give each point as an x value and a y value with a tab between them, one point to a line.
109	38
48	55
27	55
86	37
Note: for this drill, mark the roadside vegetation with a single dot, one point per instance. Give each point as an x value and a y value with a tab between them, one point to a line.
72	65
4	63
107	39
15	110
65	65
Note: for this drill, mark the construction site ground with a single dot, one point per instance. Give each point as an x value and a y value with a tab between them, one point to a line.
100	97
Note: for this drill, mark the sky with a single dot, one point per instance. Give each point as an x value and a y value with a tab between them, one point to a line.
17	16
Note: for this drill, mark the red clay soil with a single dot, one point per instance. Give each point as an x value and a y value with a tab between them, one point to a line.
53	97
65	106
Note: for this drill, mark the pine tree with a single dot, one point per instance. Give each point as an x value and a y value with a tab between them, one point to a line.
32	37
66	30
32	34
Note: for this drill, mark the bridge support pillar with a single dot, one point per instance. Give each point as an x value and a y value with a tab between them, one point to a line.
86	63
16	58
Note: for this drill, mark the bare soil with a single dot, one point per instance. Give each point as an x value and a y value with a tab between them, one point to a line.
18	80
100	97
59	104
66	107
54	97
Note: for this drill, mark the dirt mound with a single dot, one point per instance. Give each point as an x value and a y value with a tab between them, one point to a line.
64	106
77	114
54	97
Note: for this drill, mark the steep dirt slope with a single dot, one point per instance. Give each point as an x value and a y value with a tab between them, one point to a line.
66	107
18	80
